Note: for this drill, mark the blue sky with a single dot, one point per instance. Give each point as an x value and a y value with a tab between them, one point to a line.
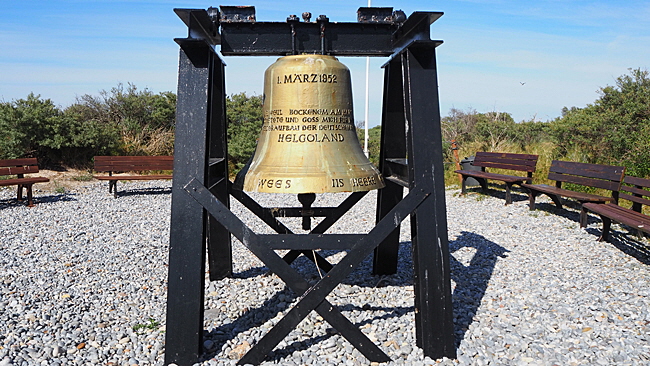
526	58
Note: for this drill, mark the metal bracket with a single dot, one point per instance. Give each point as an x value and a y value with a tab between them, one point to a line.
237	14
380	15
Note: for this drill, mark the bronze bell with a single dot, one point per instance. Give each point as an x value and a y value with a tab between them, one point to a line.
308	142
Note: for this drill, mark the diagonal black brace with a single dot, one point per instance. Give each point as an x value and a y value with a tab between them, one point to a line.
265	215
327	222
289	275
315	296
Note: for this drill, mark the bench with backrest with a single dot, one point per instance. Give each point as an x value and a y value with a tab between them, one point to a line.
508	161
607	177
20	167
634	190
122	164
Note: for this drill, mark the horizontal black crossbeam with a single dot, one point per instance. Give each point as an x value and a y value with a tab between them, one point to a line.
274	38
311	241
252	38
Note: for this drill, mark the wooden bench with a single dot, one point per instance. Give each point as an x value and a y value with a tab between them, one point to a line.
607	177
20	167
120	164
508	161
634	190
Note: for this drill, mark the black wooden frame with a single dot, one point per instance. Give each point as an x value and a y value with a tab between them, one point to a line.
201	221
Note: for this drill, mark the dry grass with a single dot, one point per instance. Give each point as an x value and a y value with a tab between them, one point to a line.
156	142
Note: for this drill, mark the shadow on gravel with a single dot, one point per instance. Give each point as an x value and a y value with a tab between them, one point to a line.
143	192
570	210
471	280
252	318
498	191
38	200
627	242
471	284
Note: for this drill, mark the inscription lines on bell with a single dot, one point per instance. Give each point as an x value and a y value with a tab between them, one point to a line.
320	111
274	183
308	127
363	181
307	78
310	137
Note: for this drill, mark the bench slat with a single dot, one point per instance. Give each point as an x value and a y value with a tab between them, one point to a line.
507	155
131	167
523	168
15	170
18	162
638	188
636	199
509	161
133	163
494	176
17	181
584	181
641	182
133	177
580	196
635	190
621	215
599	171
135	158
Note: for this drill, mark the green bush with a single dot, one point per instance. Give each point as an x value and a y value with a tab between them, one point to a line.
244	115
374	142
143	120
35	127
613	130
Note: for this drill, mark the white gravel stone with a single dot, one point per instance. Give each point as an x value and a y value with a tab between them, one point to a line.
529	288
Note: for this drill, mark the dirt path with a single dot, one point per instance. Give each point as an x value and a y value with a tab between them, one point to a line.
59	180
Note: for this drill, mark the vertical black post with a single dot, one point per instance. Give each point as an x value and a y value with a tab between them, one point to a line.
393	145
187	241
219	245
433	313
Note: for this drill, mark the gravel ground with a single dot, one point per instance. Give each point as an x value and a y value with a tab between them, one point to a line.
83	282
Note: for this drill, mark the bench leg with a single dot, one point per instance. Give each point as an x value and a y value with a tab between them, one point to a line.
531	199
556	200
30	202
607	223
463	185
583	217
483	183
19	194
112	187
508	195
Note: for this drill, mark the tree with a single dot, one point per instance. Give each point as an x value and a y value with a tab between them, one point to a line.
31	127
35	127
459	125
613	130
495	129
144	120
374	142
244	115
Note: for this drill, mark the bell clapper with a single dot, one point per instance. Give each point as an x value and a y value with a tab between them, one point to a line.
306	199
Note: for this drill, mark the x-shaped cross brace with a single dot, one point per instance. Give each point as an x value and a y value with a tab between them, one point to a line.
312	298
331	215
